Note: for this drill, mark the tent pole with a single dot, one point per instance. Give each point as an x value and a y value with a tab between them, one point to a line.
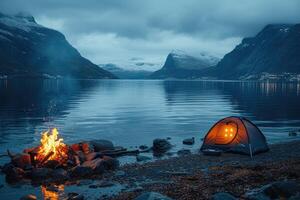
250	147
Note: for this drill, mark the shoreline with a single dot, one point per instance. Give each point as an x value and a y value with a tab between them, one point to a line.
188	176
197	176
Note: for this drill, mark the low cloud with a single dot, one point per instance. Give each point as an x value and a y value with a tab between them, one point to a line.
106	31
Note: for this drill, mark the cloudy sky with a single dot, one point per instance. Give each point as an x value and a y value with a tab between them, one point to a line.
118	30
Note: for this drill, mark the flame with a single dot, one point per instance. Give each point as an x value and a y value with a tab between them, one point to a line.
51	146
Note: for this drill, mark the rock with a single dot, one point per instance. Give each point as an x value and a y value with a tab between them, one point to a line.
152	196
87	147
223	196
110	163
102	145
7	167
184	152
140	158
105	184
21	160
120	173
59	174
93	155
161	145
98	165
282	189
29	197
293	133
276	190
14	174
143	147
40	173
1	186
81	171
93	186
75	196
189	141
51	164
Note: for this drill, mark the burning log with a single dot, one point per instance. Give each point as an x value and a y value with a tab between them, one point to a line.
46	157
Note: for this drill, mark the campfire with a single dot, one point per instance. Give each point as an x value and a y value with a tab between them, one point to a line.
51	148
53	160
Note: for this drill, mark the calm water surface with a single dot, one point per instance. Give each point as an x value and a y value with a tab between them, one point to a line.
131	113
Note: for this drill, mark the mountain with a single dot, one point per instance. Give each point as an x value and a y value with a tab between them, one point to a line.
126	73
31	50
273	53
180	65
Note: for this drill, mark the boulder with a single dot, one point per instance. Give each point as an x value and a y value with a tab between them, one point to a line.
161	145
152	196
81	171
40	173
29	197
143	147
14	174
282	189
223	196
184	152
189	141
51	164
110	163
102	145
59	174
21	160
98	165
140	158
92	156
276	190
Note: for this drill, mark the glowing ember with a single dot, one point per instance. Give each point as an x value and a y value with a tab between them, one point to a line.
52	147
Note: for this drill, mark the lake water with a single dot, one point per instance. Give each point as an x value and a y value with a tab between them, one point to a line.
131	113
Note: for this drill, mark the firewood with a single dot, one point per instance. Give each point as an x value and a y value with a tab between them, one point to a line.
120	153
46	157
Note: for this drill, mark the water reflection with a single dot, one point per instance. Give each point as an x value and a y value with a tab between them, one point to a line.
121	110
56	192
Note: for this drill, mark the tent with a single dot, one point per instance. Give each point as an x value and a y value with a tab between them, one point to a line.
235	134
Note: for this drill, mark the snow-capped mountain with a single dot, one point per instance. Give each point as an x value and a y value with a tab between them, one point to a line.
134	68
29	49
181	65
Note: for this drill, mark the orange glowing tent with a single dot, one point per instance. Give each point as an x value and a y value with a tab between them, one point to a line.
235	134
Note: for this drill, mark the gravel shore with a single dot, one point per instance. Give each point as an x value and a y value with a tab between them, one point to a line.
197	176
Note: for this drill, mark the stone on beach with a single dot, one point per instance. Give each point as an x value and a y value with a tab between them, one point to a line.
223	196
152	196
102	145
140	158
98	165
21	160
110	163
184	152
276	190
189	141
40	173
161	145
81	171
14	174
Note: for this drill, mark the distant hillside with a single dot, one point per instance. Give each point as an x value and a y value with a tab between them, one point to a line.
31	50
126	73
183	66
273	53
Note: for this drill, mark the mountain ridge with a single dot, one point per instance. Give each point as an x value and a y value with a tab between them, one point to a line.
28	49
